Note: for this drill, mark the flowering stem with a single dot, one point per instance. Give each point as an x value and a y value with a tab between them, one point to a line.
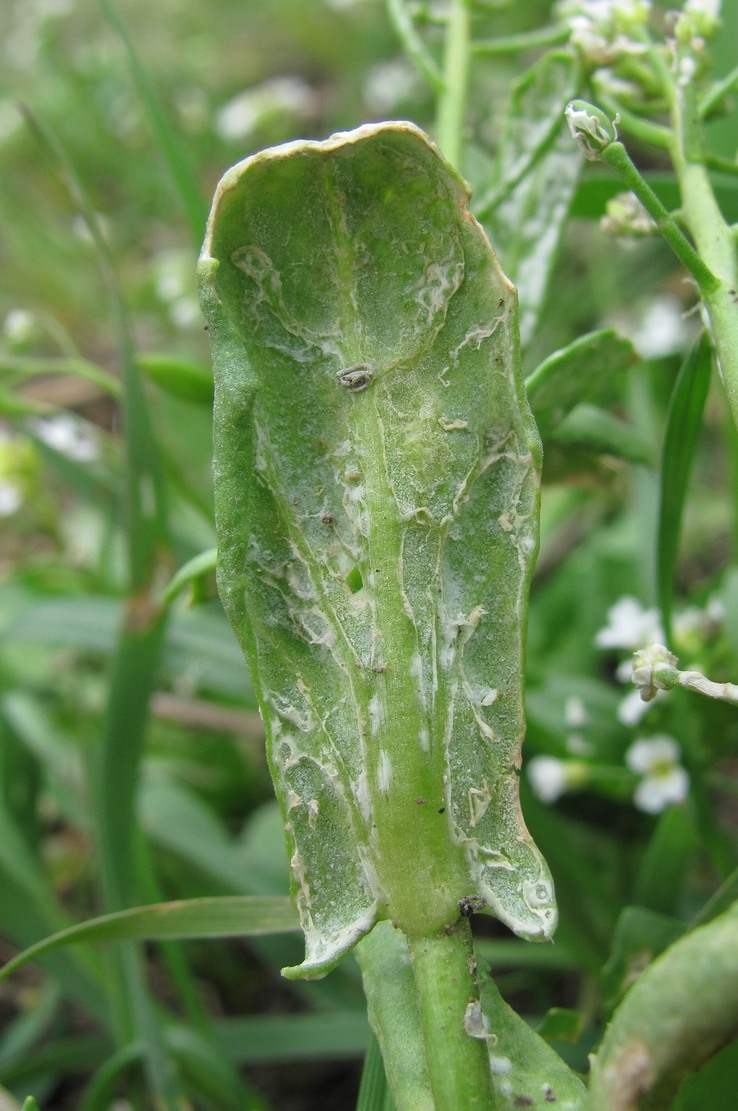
695	681
616	156
655	668
452	101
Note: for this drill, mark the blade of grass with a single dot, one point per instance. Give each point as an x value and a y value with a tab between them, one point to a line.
374	1094
683	423
115	772
221	916
171	145
27	367
274	1039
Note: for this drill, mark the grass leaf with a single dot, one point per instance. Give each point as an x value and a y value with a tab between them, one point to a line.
683	423
221	916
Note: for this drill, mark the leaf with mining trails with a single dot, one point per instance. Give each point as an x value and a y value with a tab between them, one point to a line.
377	475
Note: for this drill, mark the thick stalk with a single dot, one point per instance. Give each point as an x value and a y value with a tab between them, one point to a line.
444	969
452	101
417	1010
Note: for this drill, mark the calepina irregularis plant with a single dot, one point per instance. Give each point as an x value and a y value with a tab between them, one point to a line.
377	473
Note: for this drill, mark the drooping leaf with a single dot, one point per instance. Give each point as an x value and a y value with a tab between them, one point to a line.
377	499
573	374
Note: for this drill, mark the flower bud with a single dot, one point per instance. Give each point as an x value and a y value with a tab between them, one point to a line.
592	129
654	669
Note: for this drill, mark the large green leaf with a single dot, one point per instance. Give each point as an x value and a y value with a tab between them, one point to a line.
376	478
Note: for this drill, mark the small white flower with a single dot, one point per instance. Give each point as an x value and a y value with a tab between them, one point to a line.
686	70
629	626
19	325
710	8
632	708
577	745
69	437
704	16
240	116
10	498
388	84
575	712
663	779
603	29
547	777
662	329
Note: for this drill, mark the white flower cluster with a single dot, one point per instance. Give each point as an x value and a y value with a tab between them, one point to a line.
604	30
174	284
699	20
11	494
632	628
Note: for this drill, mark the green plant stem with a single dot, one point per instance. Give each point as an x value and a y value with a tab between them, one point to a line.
712	236
415	48
718	92
526	40
444	969
451	115
616	156
645	130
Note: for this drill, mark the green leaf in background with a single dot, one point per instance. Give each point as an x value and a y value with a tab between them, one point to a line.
674	1018
683	424
221	916
526	208
640	935
669	856
190	573
560	1024
592	429
377	503
573	374
187	381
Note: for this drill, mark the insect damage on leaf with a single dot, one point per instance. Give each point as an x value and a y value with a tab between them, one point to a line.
376	540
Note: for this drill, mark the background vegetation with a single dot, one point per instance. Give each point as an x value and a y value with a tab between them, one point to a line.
131	757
